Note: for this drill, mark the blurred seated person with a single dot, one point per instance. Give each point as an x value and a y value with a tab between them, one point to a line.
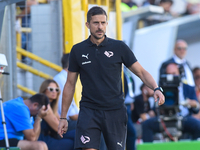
196	75
127	5
158	18
166	5
189	123
20	130
192	7
142	108
61	79
49	125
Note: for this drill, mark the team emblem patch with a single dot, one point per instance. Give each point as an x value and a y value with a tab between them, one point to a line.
85	139
109	53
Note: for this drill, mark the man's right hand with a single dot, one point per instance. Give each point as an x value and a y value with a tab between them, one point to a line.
43	111
62	127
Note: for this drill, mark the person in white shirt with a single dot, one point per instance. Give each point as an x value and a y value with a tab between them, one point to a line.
180	51
61	78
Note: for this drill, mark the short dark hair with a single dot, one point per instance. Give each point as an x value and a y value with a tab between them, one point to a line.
165	65
96	10
65	61
164	1
195	69
40	98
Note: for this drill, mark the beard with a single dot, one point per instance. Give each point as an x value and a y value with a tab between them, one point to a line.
96	37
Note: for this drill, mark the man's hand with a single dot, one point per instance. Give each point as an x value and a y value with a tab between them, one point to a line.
43	111
192	103
62	127
158	96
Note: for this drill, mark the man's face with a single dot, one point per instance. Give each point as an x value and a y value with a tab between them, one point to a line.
166	6
172	69
180	49
97	26
197	78
34	109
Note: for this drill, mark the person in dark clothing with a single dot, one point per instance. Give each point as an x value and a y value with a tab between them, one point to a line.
142	108
159	18
99	61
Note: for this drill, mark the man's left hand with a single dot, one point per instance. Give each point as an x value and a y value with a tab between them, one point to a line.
158	96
